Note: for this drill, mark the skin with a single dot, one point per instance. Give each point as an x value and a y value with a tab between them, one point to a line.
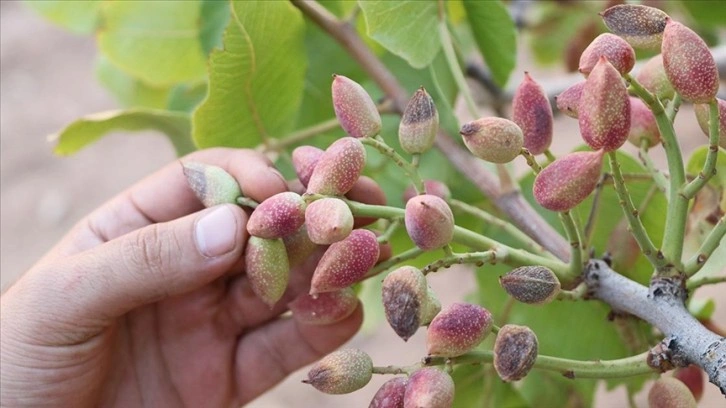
132	309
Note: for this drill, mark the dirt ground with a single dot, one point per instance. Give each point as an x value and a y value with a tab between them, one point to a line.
47	81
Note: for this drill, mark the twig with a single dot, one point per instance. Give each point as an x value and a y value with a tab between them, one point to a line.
694	284
709	245
633	216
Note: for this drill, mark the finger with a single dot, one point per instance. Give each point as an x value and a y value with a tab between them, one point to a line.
242	309
165	196
155	262
267	355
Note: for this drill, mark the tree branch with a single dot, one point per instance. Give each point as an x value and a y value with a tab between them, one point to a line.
686	339
511	203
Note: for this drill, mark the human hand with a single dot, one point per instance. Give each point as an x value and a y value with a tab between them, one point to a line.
144	303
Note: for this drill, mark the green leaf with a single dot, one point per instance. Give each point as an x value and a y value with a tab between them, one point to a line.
80	17
155	41
186	97
405	28
698	158
706	12
129	91
214	18
88	129
496	36
256	81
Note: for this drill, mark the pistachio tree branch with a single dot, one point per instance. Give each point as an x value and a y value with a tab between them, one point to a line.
694	284
662	305
511	203
677	212
490	219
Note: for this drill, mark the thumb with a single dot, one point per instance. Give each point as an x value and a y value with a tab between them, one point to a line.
157	261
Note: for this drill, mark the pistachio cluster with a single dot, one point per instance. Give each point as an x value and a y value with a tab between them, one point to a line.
324	215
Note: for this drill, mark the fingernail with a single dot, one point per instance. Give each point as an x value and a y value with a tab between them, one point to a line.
278	174
216	232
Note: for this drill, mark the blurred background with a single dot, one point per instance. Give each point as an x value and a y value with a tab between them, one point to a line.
48	80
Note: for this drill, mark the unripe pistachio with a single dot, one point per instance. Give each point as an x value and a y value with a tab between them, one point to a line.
338	168
535	285
324	308
429	221
515	351
345	262
328	220
457	329
391	394
604	110
304	159
341	372
641	26
429	387
568	181
366	191
702	116
667	392
419	123
267	268
432	307
211	184
299	246
688	63
433	187
278	216
692	376
642	124
615	49
404	294
495	140
354	108
568	101
532	112
652	76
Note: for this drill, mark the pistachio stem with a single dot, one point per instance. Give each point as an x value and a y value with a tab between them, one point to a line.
389	231
578	293
676	214
573	234
247	202
709	166
550	157
408	168
658	177
673	107
477	258
632	214
530	244
531	160
404	256
709	245
303	134
474	240
624	367
694	284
